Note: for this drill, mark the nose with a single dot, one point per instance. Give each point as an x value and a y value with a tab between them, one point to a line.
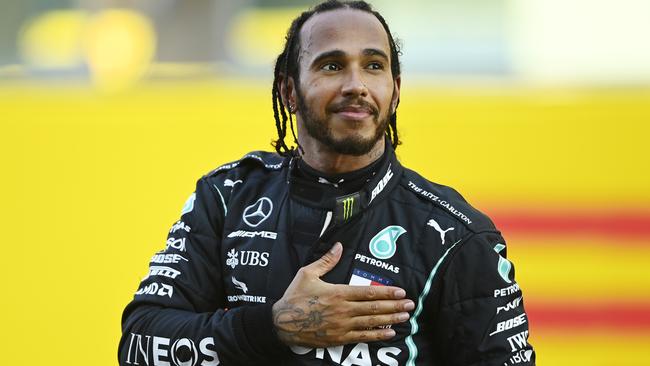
353	85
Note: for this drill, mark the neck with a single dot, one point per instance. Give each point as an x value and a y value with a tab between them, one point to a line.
322	158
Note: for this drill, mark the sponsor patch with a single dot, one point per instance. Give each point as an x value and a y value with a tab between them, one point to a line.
363	278
504	266
258	212
376	262
251	234
434	224
247	258
156	289
189	204
384	244
158	351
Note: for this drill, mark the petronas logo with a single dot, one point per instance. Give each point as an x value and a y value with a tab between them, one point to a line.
348	207
384	244
504	265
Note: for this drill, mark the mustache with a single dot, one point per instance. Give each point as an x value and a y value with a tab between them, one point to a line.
357	103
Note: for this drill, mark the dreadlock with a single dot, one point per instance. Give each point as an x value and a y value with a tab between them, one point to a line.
287	65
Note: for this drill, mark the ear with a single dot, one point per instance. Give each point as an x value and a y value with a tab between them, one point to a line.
395	99
287	93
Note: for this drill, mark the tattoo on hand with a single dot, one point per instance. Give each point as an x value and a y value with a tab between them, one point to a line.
293	319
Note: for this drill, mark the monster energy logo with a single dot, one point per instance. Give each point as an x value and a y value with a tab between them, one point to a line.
348	206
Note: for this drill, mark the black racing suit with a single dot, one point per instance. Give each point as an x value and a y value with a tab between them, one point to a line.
248	228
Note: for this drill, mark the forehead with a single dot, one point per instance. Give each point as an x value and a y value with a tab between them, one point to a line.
348	30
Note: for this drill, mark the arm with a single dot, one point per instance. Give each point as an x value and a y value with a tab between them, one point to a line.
482	320
178	313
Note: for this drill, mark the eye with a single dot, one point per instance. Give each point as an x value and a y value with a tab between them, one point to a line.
330	66
375	65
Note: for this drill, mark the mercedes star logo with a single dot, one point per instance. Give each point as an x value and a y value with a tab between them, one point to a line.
259	211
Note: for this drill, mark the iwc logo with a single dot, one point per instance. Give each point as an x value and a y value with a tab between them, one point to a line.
384	244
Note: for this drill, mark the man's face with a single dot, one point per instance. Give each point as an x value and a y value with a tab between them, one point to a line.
346	92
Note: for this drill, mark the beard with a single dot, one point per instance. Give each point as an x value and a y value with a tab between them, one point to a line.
354	144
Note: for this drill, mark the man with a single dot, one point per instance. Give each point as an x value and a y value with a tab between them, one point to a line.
331	253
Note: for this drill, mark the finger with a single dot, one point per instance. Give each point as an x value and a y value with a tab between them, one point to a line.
359	308
361	293
325	263
371	335
369	322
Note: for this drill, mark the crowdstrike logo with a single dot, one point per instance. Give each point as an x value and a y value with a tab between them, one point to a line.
442	232
258	212
384	244
239	285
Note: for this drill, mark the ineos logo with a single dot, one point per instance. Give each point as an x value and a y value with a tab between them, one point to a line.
259	211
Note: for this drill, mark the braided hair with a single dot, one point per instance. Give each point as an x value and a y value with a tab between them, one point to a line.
287	65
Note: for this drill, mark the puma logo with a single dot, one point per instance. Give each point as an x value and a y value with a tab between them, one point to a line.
231	183
435	225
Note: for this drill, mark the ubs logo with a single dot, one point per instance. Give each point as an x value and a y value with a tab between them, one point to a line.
258	212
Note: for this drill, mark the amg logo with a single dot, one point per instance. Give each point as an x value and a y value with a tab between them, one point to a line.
251	234
156	351
518	341
511	305
382	184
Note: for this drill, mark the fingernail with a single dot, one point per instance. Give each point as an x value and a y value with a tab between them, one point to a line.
389	333
403	316
336	248
400	293
409	306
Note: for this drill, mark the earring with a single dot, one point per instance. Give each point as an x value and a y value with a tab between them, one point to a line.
292	108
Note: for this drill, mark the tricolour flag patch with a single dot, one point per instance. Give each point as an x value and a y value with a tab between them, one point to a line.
363	278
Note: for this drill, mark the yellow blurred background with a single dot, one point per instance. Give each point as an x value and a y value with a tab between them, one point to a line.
103	136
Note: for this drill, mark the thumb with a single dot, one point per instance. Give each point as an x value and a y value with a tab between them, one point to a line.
325	263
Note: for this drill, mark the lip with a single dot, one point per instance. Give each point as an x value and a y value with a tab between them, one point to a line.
354	112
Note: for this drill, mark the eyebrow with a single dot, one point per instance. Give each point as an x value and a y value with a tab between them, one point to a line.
341	54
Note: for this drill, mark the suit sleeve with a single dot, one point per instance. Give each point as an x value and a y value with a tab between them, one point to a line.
482	320
178	315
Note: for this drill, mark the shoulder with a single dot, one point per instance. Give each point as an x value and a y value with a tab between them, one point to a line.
251	165
446	202
263	160
243	175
